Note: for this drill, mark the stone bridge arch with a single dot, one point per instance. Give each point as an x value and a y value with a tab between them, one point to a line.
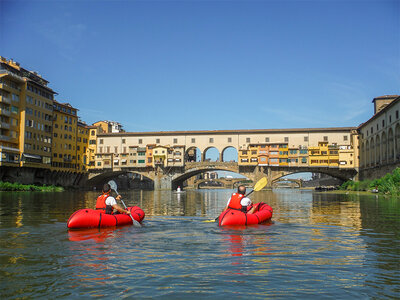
198	168
341	174
227	183
297	181
98	179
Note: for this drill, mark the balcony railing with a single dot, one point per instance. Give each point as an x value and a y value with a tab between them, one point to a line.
5	112
4	138
4	125
5	100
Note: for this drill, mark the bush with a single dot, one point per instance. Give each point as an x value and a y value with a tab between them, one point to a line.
388	184
8	186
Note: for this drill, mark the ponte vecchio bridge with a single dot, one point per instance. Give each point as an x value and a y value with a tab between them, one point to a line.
169	158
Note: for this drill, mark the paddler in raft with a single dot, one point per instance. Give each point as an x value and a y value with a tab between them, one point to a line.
109	203
238	201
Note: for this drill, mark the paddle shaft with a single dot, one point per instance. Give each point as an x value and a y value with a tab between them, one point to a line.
136	223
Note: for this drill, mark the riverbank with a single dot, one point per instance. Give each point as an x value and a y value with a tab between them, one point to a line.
388	184
17	187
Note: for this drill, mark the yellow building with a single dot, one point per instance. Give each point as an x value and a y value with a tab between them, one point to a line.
324	155
283	154
92	147
82	143
12	86
176	156
160	154
333	153
64	137
26	116
108	126
248	156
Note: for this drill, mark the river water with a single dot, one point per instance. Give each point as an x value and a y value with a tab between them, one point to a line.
318	246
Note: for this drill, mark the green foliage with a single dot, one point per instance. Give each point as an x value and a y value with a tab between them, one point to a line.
388	184
8	186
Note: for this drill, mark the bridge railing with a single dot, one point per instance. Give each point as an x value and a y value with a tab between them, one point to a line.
210	164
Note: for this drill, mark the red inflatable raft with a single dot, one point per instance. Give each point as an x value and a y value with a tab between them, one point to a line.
262	214
89	218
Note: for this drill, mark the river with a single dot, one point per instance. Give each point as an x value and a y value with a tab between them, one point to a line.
319	245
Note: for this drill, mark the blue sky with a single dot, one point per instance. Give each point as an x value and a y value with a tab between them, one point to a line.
193	65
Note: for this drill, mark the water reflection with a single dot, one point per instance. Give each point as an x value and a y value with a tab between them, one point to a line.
330	245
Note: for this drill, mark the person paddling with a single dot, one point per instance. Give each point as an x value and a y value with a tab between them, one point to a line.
109	203
238	201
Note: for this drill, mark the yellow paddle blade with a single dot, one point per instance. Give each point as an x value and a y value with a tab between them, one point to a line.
208	221
260	184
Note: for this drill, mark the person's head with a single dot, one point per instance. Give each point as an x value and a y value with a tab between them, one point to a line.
106	188
241	189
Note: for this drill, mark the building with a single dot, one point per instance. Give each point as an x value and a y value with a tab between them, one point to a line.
109	126
65	125
82	143
380	138
92	148
26	117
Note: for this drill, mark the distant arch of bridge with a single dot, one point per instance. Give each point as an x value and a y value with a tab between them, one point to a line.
171	179
297	181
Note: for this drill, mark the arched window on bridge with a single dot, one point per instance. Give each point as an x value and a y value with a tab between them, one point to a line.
230	154
193	154
211	154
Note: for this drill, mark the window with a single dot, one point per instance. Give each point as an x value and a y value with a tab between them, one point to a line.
372	130
101	141
397	114
193	140
175	141
383	124
306	138
123	141
325	138
267	139
115	149
377	127
390	119
247	140
157	141
286	139
345	137
140	141
211	140
229	140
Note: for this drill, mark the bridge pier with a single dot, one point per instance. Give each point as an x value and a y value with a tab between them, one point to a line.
162	183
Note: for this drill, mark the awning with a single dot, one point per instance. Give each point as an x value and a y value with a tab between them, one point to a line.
9	149
31	156
116	160
124	160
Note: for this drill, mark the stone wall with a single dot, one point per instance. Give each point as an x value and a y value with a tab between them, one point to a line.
39	176
377	172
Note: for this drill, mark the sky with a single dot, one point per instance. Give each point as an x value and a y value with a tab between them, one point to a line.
210	65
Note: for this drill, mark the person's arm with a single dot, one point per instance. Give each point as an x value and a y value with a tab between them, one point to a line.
227	204
119	208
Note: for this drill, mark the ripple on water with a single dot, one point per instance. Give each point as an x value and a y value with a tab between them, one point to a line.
324	247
